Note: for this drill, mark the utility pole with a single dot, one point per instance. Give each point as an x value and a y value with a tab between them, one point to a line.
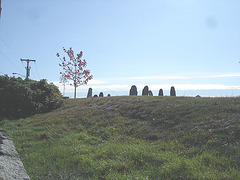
28	67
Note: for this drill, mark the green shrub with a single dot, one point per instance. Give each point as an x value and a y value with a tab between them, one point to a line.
21	98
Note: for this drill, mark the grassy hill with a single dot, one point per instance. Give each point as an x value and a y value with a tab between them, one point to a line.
132	138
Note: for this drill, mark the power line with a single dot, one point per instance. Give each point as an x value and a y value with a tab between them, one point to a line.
10	49
19	74
33	74
37	69
13	52
10	61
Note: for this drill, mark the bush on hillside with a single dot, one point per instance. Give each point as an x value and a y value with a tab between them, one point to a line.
21	98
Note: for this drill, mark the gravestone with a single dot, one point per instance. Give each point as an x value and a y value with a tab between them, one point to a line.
145	91
133	91
172	91
89	92
101	94
108	95
150	93
160	93
95	95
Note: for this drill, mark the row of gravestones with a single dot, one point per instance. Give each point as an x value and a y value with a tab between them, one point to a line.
147	92
90	94
133	91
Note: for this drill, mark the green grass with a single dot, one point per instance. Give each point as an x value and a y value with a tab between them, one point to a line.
132	138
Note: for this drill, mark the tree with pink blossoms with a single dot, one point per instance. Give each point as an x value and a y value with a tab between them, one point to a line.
74	69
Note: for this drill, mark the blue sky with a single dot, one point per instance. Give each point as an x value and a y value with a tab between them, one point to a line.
193	45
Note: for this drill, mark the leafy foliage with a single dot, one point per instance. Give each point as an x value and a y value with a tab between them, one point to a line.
21	98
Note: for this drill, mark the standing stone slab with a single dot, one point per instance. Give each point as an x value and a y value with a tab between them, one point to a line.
172	91
89	92
133	91
145	91
11	167
101	94
150	93
160	93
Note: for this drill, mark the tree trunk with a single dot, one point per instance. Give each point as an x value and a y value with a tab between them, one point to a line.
75	91
75	81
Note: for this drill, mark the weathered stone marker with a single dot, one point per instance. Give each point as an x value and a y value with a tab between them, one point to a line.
172	91
133	91
101	94
160	93
145	91
150	93
11	167
89	92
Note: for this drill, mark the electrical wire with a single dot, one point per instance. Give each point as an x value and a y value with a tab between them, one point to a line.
12	50
19	58
10	61
37	69
32	73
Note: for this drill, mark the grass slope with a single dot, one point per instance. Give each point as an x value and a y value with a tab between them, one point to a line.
132	138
